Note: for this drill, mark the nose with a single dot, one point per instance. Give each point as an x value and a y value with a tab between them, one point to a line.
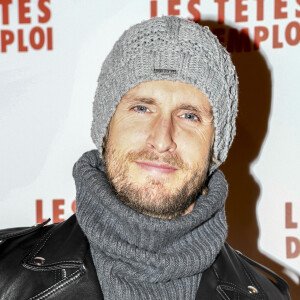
161	136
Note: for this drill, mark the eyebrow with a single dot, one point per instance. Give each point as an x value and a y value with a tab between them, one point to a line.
147	100
201	110
152	101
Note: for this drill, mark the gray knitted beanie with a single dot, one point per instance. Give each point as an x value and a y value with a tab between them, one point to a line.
169	48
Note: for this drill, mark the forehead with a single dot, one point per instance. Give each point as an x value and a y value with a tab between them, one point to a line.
166	92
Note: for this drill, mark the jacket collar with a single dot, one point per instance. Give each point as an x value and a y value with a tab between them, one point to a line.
63	246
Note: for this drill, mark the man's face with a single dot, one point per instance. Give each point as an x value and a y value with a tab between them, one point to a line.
159	147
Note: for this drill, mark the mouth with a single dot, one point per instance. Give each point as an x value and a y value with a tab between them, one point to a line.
156	168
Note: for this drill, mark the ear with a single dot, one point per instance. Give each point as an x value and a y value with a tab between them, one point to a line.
212	139
105	139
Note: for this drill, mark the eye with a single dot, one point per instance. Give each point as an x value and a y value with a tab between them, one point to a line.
140	109
190	116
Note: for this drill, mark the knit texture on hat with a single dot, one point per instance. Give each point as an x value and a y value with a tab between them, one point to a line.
169	48
138	257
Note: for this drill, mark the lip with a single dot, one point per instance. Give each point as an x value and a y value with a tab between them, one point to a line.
157	168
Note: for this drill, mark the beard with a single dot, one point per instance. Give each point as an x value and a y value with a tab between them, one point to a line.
153	198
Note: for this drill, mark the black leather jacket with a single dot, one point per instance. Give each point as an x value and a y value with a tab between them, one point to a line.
54	262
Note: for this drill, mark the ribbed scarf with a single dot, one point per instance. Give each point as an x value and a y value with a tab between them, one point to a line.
140	257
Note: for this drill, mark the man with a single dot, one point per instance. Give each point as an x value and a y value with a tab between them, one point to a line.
150	221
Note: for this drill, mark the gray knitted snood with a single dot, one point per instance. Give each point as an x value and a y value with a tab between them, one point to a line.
140	257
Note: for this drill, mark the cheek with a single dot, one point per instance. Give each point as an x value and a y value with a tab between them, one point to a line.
194	147
189	150
128	135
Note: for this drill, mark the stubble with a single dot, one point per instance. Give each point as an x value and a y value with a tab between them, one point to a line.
153	198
